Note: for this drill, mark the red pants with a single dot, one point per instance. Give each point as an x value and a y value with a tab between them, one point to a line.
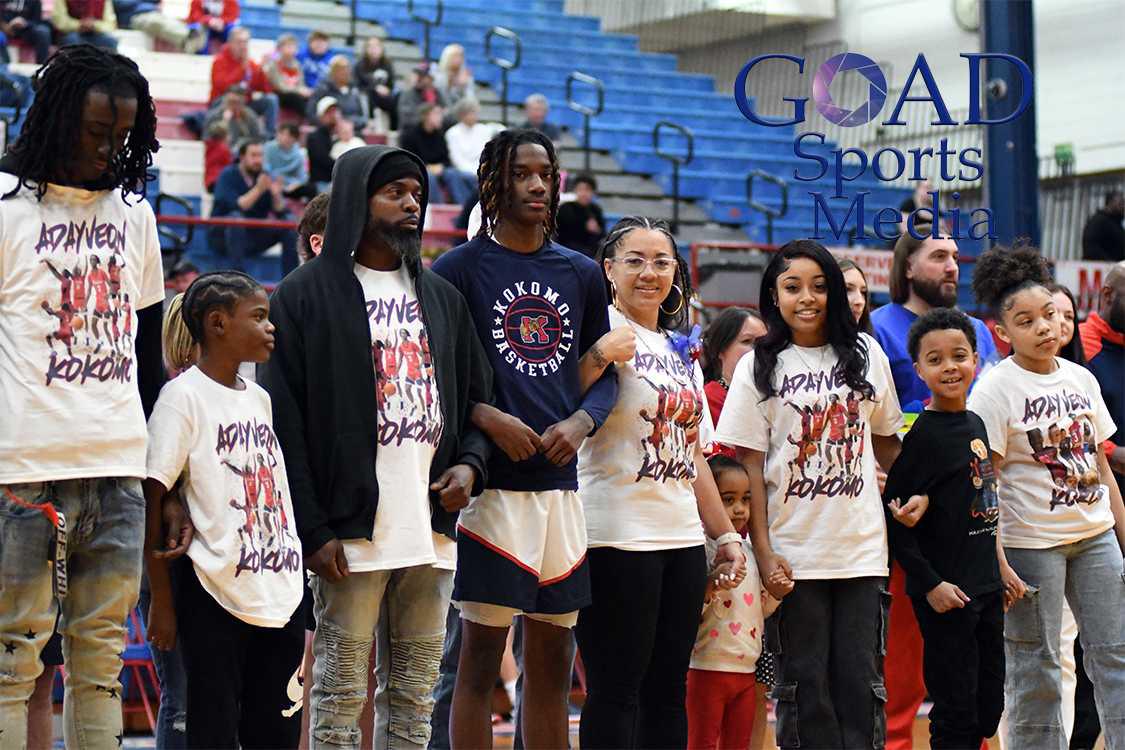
903	667
720	709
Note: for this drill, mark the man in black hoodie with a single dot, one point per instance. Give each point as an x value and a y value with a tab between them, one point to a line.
375	371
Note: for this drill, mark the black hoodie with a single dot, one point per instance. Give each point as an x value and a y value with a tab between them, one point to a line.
322	379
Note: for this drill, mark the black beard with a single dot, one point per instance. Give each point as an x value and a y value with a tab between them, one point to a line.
406	243
931	293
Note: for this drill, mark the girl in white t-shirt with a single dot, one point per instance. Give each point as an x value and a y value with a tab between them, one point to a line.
1062	522
809	412
234	597
722	691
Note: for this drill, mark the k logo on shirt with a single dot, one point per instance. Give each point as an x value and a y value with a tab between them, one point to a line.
531	328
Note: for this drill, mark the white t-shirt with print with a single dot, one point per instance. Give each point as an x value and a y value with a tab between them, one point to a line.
730	630
635	473
1048	429
74	270
221	442
409	424
824	510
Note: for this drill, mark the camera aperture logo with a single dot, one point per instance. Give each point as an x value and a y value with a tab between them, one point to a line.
822	82
887	164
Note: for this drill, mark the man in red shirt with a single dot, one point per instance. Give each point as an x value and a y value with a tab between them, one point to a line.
213	18
233	66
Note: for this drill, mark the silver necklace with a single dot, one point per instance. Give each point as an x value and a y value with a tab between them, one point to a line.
820	362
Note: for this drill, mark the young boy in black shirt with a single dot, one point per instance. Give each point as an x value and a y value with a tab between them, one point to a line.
952	574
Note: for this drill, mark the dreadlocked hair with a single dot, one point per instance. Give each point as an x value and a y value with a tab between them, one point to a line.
216	289
51	129
495	177
680	300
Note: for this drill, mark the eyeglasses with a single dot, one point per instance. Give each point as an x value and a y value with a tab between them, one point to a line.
635	266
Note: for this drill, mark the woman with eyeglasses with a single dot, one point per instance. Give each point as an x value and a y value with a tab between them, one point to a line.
645	487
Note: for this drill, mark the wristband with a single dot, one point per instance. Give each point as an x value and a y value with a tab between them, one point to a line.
728	538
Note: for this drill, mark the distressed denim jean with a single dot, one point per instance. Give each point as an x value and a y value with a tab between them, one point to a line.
1089	574
105	534
347	614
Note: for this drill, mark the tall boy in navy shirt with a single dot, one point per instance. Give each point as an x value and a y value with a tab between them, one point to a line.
521	545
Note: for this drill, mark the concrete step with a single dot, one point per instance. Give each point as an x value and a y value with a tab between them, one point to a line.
657	208
626	185
181	167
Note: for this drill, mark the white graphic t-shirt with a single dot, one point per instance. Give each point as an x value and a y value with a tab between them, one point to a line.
635	473
409	428
221	442
74	270
824	510
1048	429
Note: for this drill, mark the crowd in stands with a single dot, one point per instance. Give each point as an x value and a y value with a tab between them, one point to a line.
336	100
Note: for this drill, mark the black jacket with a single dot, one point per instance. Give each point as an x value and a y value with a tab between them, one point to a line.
1103	238
322	379
319	145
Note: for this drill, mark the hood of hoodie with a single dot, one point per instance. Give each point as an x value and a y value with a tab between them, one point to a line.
348	209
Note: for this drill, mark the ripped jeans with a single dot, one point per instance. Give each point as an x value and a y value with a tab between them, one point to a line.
347	614
1088	573
829	638
105	530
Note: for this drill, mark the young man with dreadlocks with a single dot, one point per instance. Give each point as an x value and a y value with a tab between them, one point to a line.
521	544
378	440
73	437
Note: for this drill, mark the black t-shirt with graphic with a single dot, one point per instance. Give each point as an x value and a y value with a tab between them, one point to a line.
946	456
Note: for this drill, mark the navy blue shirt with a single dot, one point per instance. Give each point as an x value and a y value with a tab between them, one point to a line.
891	323
229	187
536	314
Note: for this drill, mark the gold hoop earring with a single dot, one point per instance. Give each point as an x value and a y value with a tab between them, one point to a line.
679	307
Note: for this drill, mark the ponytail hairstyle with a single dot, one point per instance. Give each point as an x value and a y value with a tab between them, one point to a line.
839	323
1002	272
180	349
682	299
216	289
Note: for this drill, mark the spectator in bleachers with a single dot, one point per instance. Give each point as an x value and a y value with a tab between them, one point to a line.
375	76
581	224
283	71
422	91
427	142
453	78
345	139
535	108
232	66
217	155
1103	237
212	21
466	139
319	144
338	85
286	160
241	122
180	278
85	22
23	20
314	57
245	190
146	17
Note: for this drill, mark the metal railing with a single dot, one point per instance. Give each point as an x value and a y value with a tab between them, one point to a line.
178	242
677	161
584	109
770	212
427	23
504	63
